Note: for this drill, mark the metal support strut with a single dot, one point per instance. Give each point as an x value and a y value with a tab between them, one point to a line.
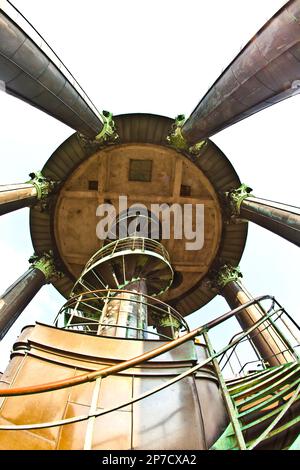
281	219
14	300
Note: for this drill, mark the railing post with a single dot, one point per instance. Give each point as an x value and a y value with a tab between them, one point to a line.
227	399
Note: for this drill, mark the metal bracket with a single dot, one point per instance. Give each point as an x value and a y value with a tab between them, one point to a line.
177	140
166	320
45	263
44	186
108	132
197	148
227	273
235	198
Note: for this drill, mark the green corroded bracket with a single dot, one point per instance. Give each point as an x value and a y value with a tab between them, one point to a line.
198	147
178	141
175	138
45	263
236	196
108	132
226	274
44	186
166	320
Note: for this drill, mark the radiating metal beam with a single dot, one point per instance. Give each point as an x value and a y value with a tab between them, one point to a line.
31	71
14	300
282	219
17	196
266	71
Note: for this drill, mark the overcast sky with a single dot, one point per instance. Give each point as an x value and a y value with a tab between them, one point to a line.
158	57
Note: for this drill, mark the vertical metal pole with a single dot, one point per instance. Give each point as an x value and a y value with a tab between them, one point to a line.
101	319
227	399
125	310
74	310
91	421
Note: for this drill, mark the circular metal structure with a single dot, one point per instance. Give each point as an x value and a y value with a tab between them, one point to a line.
91	174
85	312
126	260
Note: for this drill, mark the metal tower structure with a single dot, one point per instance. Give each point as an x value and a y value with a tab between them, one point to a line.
120	368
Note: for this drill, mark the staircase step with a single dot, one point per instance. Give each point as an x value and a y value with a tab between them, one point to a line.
261	384
244	382
271	400
267	390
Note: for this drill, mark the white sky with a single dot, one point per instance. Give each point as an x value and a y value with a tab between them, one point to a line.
158	57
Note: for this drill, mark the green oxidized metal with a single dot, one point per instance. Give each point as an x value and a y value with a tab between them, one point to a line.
108	132
43	185
177	140
226	274
236	197
167	320
45	263
198	147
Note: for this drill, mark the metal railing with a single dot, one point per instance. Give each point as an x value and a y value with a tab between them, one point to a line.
235	410
86	312
234	364
94	274
132	243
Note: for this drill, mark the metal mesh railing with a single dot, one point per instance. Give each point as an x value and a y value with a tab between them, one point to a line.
242	398
128	244
244	358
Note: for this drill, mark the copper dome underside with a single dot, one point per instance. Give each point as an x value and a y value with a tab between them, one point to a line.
91	175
